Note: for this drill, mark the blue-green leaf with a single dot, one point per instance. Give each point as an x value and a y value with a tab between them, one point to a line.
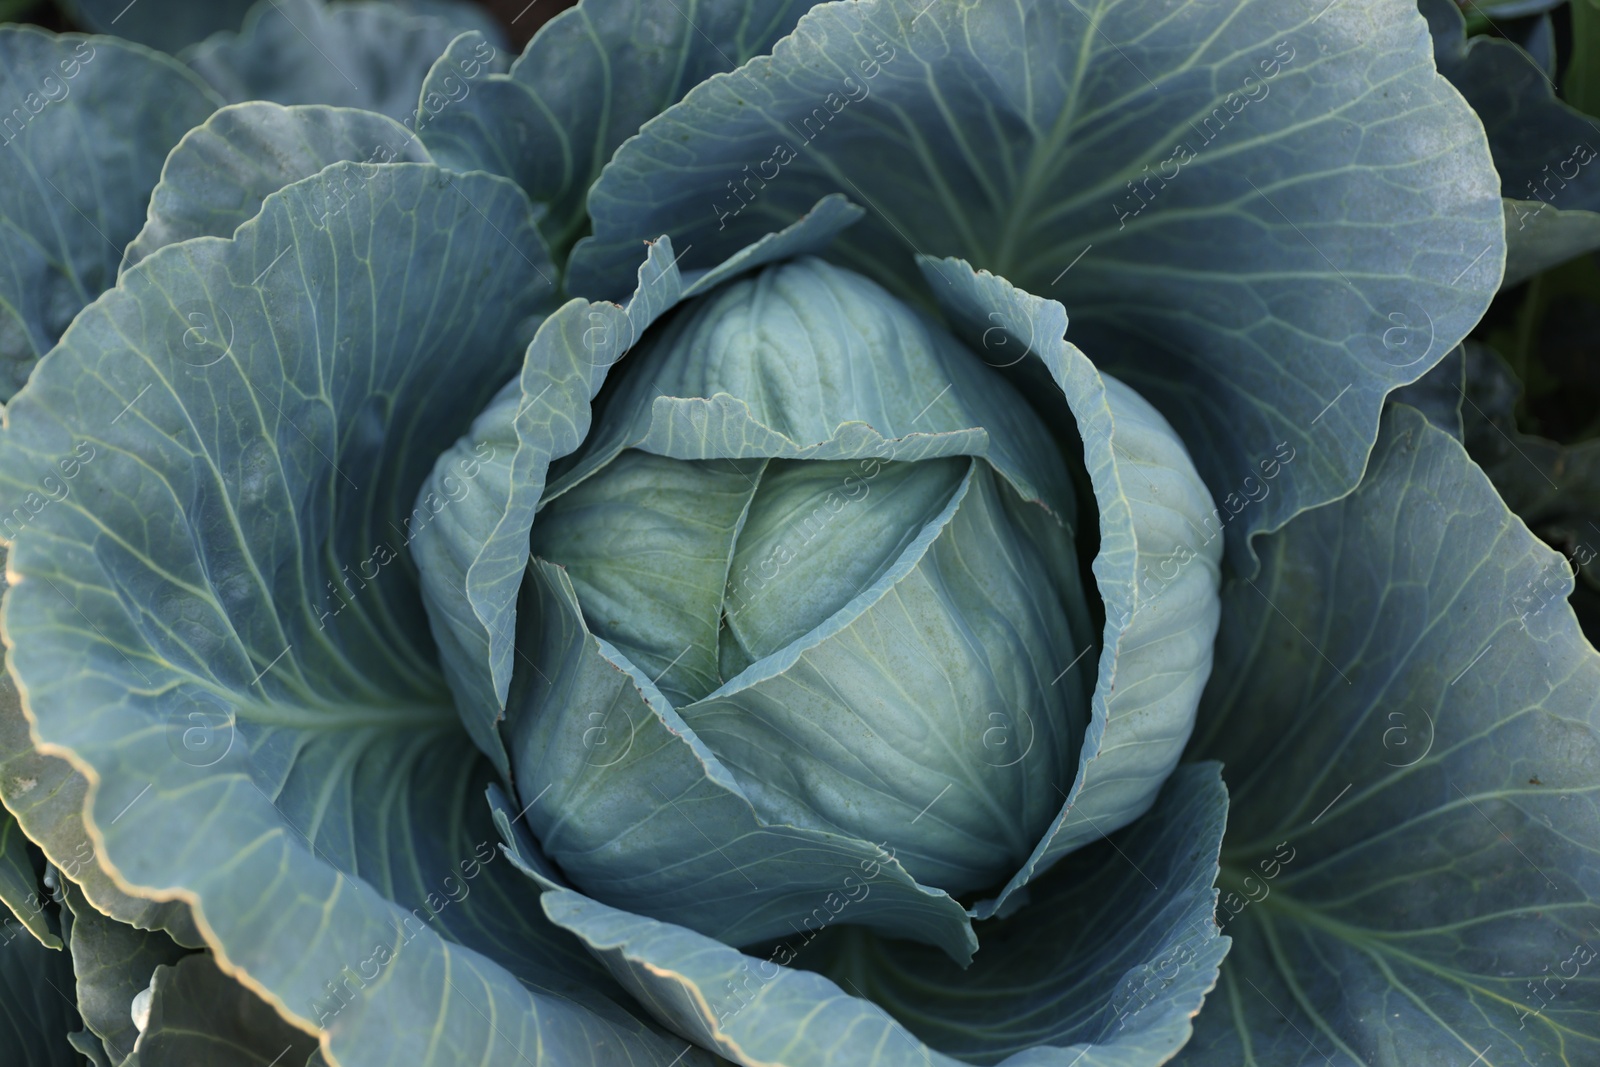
36	1008
1227	196
476	508
586	82
367	54
218	175
1132	950
226	563
1545	150
460	70
200	1017
169	25
21	904
45	795
112	963
1156	570
1411	850
89	121
638	812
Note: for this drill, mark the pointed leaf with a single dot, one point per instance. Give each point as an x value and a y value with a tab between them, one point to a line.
36	1009
20	898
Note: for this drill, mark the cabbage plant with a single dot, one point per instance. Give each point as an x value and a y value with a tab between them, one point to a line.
876	532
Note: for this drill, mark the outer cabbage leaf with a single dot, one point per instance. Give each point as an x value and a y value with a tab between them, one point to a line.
1225	194
1413	786
586	82
1156	569
112	963
36	1009
45	796
192	576
473	559
89	121
459	71
1134	949
199	1017
218	175
368	54
21	905
1547	152
169	25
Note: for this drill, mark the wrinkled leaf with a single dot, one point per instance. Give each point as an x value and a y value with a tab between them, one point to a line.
366	54
218	175
1547	152
1246	227
89	121
46	796
1410	850
586	82
257	704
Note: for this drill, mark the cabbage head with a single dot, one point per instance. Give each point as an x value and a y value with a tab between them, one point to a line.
881	532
